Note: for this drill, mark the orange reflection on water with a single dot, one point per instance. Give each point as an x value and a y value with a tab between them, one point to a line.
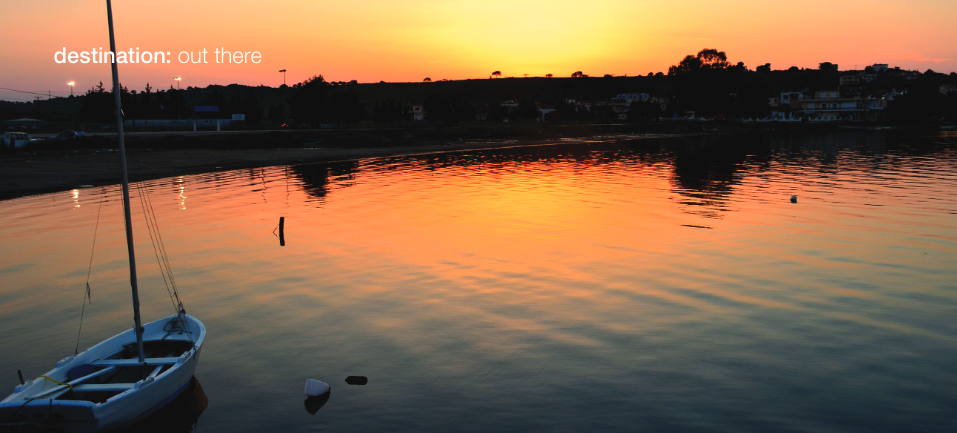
592	262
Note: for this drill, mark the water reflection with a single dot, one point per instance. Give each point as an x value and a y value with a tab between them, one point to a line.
313	404
653	285
179	416
705	173
180	183
317	179
705	170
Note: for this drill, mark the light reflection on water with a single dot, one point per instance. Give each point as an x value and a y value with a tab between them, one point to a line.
664	285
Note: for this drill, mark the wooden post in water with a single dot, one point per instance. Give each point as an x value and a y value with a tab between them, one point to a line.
282	238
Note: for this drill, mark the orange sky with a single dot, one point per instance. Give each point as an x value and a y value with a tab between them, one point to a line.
372	40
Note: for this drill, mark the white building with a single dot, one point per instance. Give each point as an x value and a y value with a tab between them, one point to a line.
418	112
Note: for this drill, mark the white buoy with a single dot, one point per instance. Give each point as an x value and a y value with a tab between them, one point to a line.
794	199
315	388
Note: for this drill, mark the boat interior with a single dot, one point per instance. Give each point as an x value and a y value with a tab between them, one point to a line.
102	379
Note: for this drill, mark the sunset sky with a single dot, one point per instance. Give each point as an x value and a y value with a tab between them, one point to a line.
373	40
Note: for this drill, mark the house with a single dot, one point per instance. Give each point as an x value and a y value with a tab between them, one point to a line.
787	98
781	106
894	93
946	89
866	77
418	112
543	111
907	75
633	97
830	105
850	80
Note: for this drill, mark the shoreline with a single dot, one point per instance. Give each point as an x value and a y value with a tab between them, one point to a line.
35	173
53	166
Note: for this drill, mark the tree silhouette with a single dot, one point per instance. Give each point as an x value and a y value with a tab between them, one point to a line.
310	102
427	80
549	75
713	59
708	58
497	74
577	74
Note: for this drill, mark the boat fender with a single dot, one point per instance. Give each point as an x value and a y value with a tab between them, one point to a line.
316	388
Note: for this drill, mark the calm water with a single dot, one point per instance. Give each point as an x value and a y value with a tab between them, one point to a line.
657	285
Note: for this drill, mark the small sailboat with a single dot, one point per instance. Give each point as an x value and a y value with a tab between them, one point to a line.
120	380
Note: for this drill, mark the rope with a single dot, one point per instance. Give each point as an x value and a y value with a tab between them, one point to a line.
57	382
88	296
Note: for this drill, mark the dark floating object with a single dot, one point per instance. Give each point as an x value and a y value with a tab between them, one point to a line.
313	404
357	380
282	236
696	227
794	199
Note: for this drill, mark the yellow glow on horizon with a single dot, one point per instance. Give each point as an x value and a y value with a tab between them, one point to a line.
374	40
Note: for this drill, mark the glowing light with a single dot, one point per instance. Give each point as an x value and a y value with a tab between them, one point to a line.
182	193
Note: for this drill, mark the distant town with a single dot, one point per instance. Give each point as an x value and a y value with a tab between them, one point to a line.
702	87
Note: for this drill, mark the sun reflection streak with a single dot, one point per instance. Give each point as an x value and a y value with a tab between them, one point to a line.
182	191
76	198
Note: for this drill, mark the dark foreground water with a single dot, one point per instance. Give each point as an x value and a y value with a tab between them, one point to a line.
656	285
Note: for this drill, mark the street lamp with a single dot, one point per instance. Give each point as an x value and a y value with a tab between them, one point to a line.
283	76
178	79
71	84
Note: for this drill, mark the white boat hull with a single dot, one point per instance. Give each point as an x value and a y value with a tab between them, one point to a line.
41	401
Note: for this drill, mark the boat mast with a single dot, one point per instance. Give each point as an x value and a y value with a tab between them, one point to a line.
138	329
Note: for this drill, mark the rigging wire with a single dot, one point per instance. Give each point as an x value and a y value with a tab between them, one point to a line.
159	250
32	93
162	258
162	246
86	295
